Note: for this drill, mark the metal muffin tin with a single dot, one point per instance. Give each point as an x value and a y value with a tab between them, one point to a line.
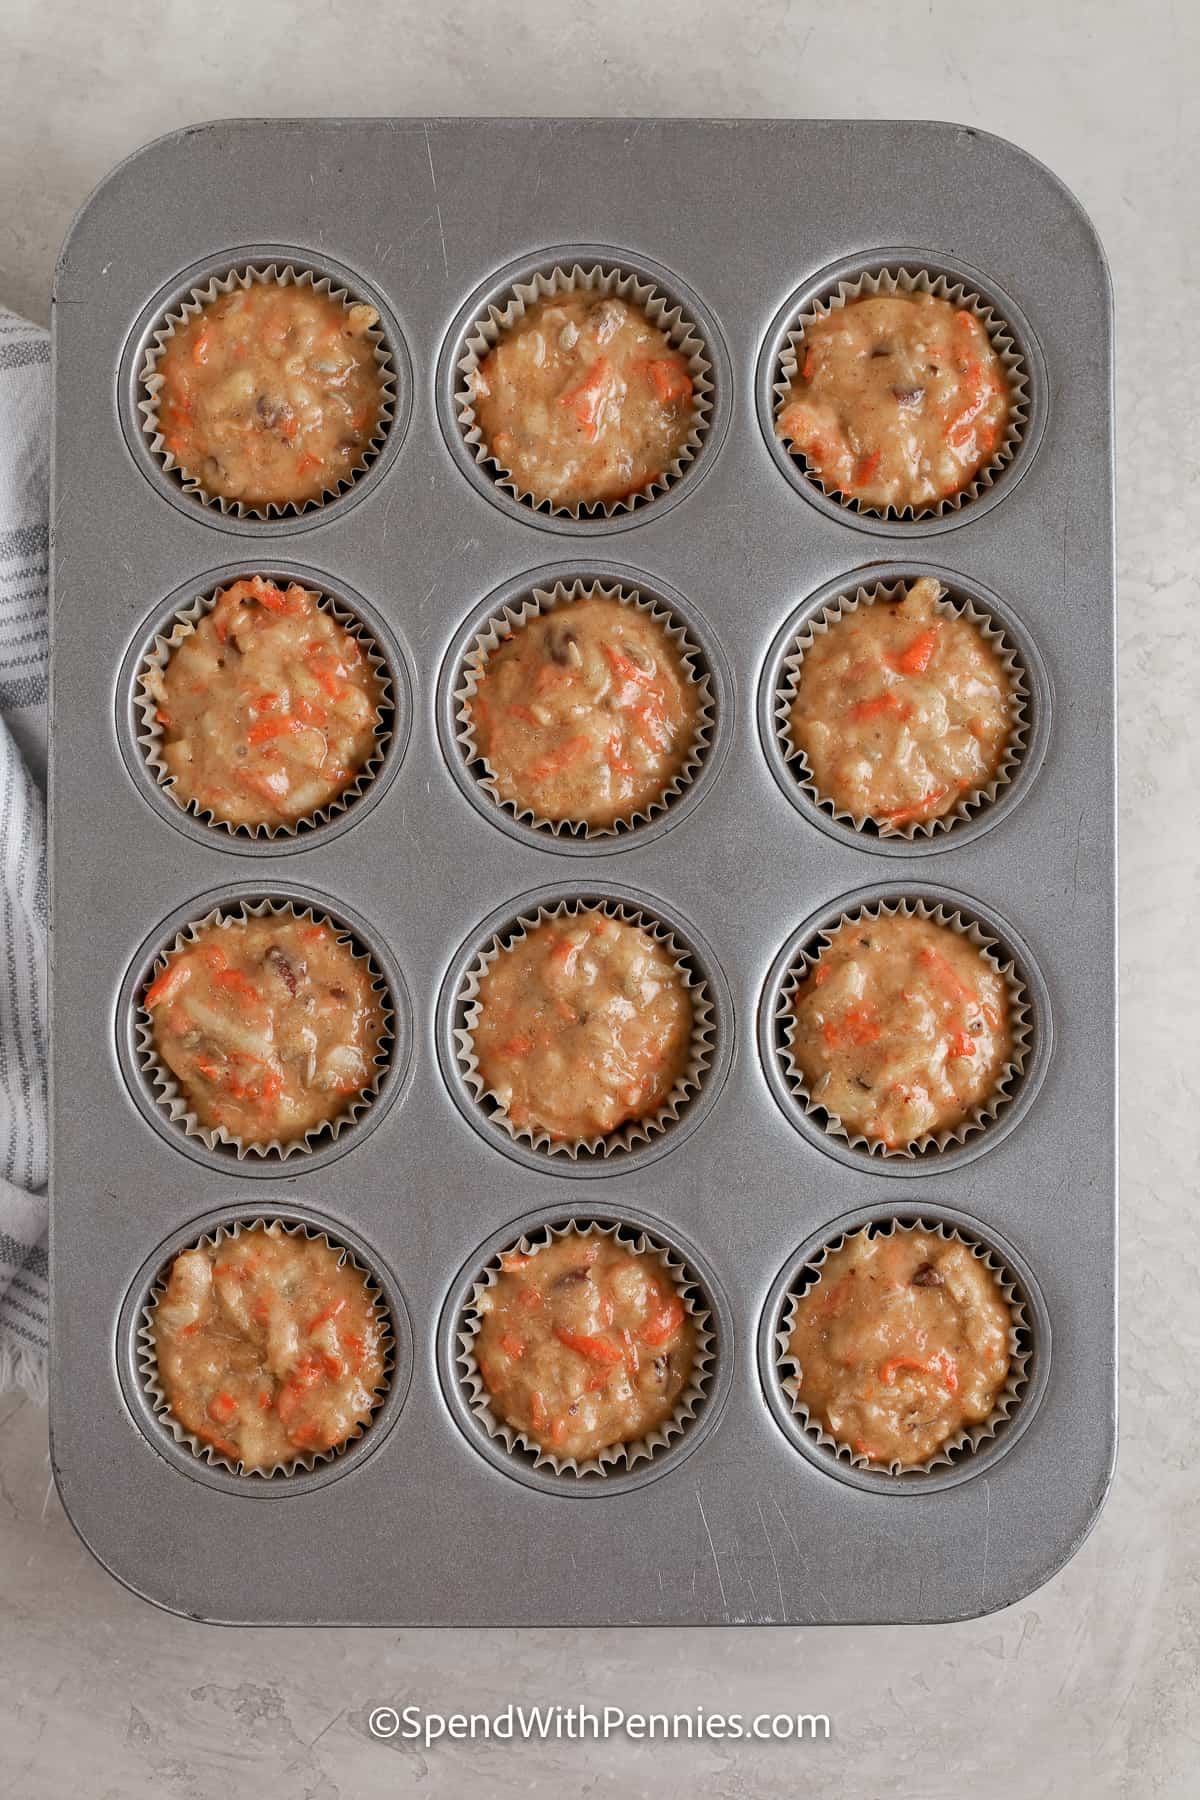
744	1520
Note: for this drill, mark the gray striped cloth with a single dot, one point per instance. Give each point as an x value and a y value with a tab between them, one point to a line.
24	561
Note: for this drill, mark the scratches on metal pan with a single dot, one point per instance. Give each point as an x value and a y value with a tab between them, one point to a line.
437	203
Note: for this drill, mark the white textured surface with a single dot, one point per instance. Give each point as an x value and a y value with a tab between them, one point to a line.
1086	1690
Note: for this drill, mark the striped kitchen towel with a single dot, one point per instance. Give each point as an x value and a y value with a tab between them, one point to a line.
24	562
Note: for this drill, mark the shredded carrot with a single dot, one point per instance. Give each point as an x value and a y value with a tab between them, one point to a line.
616	761
558	760
626	667
511	1344
916	659
669	378
329	1312
588	397
663	1322
596	1349
963	1045
875	708
266	729
166	985
887	1370
268	595
945	977
223	1408
899	815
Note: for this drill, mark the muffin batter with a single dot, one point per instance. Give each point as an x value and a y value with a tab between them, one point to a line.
585	713
901	1028
901	710
583	400
899	400
266	1347
584	1024
268	707
271	394
583	1344
902	1343
270	1026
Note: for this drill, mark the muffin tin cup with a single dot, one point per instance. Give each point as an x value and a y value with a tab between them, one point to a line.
182	298
190	307
973	1450
977	811
505	620
517	1453
138	1365
639	1141
600	270
908	271
156	1091
150	736
1029	1023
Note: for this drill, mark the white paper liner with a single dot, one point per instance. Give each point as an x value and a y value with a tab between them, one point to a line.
844	606
1020	1022
164	1085
964	1442
624	1456
960	295
636	1131
486	330
150	735
147	1356
509	620
244	276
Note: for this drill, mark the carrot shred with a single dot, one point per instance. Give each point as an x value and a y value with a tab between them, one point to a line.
876	707
164	986
899	815
596	1349
668	377
945	977
558	760
588	396
916	659
663	1322
626	667
267	729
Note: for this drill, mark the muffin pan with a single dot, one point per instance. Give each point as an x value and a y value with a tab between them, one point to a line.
743	1516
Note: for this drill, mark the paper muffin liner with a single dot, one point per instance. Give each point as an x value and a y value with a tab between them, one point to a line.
1020	1020
613	1456
961	295
166	1089
971	1437
882	593
488	328
636	1131
247	275
147	1355
151	737
507	622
